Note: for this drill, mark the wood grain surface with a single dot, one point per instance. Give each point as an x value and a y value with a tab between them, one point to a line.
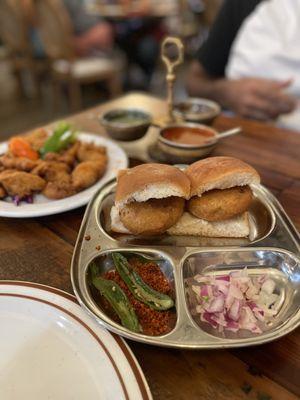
40	250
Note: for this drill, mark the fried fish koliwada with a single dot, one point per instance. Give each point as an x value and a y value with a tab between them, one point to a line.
19	163
19	183
91	152
37	138
59	190
2	192
87	173
219	205
53	171
149	199
152	217
67	156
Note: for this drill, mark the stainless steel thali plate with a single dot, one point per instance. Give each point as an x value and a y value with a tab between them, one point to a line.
273	248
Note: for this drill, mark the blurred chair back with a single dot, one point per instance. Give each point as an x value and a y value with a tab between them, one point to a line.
55	28
13	28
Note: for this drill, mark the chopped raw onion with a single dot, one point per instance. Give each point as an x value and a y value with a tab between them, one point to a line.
235	301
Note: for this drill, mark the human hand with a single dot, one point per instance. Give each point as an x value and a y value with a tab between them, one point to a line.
257	98
100	36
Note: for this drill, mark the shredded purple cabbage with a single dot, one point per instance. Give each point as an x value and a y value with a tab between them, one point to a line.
17	199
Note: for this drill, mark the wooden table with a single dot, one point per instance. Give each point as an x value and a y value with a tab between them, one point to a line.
40	250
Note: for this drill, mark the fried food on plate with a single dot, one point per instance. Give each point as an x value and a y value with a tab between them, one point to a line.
91	152
22	184
67	156
59	190
149	199
2	192
37	138
57	164
52	171
218	205
19	163
152	217
87	173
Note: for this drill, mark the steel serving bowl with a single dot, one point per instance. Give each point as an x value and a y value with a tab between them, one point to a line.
126	124
179	153
197	110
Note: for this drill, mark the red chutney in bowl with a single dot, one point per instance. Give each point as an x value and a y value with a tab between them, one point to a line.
189	136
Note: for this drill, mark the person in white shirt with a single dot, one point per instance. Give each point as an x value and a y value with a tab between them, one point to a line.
268	47
249	63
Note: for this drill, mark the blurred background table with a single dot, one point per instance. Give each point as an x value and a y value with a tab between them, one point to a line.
117	10
40	250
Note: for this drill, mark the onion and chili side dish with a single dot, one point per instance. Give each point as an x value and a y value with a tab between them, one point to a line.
135	294
56	165
235	301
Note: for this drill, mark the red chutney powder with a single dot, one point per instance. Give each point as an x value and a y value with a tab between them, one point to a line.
153	322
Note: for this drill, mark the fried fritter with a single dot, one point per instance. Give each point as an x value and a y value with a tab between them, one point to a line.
2	192
19	163
37	138
53	171
153	216
91	152
59	190
219	205
19	183
67	156
87	173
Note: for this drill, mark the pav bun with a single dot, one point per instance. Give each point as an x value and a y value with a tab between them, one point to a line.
150	181
219	173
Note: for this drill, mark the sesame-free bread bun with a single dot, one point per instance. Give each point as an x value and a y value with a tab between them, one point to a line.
219	173
188	225
235	227
116	223
150	181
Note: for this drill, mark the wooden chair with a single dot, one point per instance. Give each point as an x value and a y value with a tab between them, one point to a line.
14	32
56	32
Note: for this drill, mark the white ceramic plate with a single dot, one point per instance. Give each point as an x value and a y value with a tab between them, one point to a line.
117	159
51	349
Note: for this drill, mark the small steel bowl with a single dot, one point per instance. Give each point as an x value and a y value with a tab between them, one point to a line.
180	153
129	130
185	153
197	110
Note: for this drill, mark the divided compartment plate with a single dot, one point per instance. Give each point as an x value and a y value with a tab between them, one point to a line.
275	248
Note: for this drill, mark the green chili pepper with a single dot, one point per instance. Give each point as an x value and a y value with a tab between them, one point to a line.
140	290
116	298
143	259
61	138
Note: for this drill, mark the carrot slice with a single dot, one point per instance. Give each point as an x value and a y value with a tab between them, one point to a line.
19	147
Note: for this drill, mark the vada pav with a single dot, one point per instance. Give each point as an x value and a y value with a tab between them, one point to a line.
220	198
150	198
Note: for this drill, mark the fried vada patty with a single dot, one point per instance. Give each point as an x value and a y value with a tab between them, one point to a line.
219	205
153	216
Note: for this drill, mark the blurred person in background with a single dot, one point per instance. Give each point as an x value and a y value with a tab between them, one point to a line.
139	36
250	62
91	33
